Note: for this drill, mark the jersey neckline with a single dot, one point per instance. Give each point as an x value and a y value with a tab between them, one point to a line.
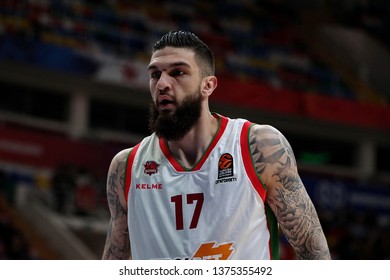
222	123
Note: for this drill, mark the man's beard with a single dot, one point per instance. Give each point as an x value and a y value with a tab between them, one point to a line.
173	126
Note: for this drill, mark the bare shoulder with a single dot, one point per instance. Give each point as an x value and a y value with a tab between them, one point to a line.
117	167
121	157
116	177
270	150
275	163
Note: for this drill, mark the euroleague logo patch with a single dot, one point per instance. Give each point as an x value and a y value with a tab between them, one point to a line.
225	166
225	169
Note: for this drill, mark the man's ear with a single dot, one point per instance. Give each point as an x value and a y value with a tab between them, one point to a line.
209	84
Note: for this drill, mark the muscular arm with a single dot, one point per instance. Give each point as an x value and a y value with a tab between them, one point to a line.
286	194
117	243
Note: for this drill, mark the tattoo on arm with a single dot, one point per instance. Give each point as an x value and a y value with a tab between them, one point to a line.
117	243
286	195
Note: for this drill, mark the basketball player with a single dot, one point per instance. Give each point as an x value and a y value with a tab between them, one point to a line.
202	185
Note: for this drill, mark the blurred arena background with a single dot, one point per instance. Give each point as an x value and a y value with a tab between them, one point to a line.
74	91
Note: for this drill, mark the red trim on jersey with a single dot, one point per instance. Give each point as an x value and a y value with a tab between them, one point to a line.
223	121
129	167
165	149
248	161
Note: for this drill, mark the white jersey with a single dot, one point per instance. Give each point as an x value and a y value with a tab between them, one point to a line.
216	210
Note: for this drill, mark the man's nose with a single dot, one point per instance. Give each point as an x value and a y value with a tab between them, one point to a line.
164	82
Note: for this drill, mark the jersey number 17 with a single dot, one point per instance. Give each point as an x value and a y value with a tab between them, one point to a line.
190	199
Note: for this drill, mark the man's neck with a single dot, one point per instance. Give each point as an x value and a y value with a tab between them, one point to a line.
190	149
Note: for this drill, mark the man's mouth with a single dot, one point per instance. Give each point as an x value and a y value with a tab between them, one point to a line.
165	103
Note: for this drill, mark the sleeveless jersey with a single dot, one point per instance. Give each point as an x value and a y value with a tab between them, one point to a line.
216	210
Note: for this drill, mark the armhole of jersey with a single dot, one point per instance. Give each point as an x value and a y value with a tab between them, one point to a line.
129	165
248	161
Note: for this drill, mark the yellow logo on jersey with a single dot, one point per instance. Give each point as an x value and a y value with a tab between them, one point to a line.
210	251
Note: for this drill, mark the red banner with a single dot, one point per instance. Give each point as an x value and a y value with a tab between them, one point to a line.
48	150
311	105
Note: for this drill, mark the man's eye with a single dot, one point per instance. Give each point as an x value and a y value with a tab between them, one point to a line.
155	75
177	73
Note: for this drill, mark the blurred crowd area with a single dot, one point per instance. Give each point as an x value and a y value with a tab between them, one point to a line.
354	234
252	40
69	190
13	243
